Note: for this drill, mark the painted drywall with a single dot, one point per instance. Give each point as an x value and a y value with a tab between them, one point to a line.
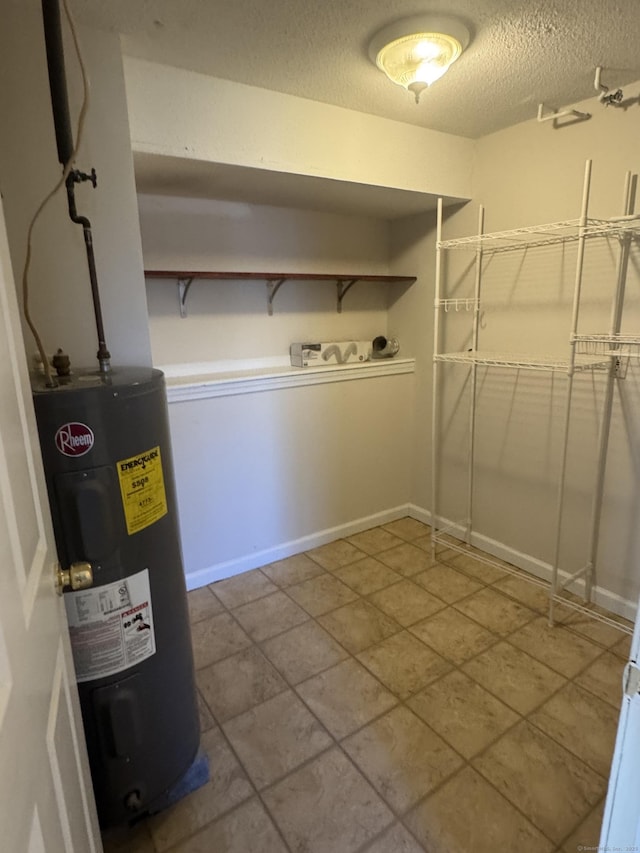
528	174
227	320
222	122
59	285
262	476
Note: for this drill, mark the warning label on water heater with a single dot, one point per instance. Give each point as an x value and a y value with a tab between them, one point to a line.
142	488
111	626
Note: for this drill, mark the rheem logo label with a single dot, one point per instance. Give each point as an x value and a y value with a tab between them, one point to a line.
74	439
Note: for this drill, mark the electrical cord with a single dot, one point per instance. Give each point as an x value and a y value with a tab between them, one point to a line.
50	381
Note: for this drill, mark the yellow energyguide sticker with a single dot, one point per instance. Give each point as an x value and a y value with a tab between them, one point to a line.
142	487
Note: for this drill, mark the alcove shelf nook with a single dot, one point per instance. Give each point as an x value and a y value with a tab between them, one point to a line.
274	282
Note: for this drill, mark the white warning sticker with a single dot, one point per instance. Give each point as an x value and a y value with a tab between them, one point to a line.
111	626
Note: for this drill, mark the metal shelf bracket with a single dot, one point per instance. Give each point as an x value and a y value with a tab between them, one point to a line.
343	287
183	288
272	288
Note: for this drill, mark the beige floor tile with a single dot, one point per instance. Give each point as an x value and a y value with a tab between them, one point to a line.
396	839
375	540
582	723
206	717
467	815
269	616
453	636
623	648
407	559
327	806
463	713
321	594
470	565
202	604
604	678
345	697
532	595
597	632
358	625
447	583
127	839
545	781
275	737
303	651
236	684
401	757
243	588
227	787
424	542
587	835
368	575
247	828
515	677
496	612
292	570
408	528
556	647
336	554
406	602
217	638
404	664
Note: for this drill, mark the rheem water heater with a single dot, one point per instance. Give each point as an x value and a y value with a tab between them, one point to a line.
107	459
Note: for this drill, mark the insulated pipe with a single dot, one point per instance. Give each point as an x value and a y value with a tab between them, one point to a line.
57	79
64	141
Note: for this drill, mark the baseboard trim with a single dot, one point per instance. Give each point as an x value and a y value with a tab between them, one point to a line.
220	571
605	598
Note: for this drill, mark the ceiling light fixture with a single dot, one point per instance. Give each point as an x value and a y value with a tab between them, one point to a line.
417	51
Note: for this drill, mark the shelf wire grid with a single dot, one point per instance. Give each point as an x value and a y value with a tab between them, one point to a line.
444	538
548	234
608	345
524	361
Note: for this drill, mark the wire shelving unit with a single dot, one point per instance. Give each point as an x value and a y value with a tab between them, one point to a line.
603	353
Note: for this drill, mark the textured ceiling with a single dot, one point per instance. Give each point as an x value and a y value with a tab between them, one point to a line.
522	52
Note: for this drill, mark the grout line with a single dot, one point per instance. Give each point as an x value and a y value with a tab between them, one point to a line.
403	702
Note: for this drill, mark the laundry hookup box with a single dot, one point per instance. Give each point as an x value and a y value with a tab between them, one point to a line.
329	352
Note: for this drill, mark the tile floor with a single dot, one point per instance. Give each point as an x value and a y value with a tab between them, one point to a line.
361	697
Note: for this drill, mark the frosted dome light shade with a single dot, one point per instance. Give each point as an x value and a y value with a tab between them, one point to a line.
415	56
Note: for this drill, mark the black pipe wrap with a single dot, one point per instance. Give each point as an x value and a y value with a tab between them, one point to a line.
57	79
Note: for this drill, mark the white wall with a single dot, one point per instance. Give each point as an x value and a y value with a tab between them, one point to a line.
267	474
529	174
228	319
223	122
60	295
262	476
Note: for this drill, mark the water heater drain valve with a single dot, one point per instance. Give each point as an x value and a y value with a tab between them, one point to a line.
77	576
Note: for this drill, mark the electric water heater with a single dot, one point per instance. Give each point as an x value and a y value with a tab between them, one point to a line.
107	458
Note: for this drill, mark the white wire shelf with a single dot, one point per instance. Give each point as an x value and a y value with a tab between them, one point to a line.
545	235
445	539
608	345
469	304
524	361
